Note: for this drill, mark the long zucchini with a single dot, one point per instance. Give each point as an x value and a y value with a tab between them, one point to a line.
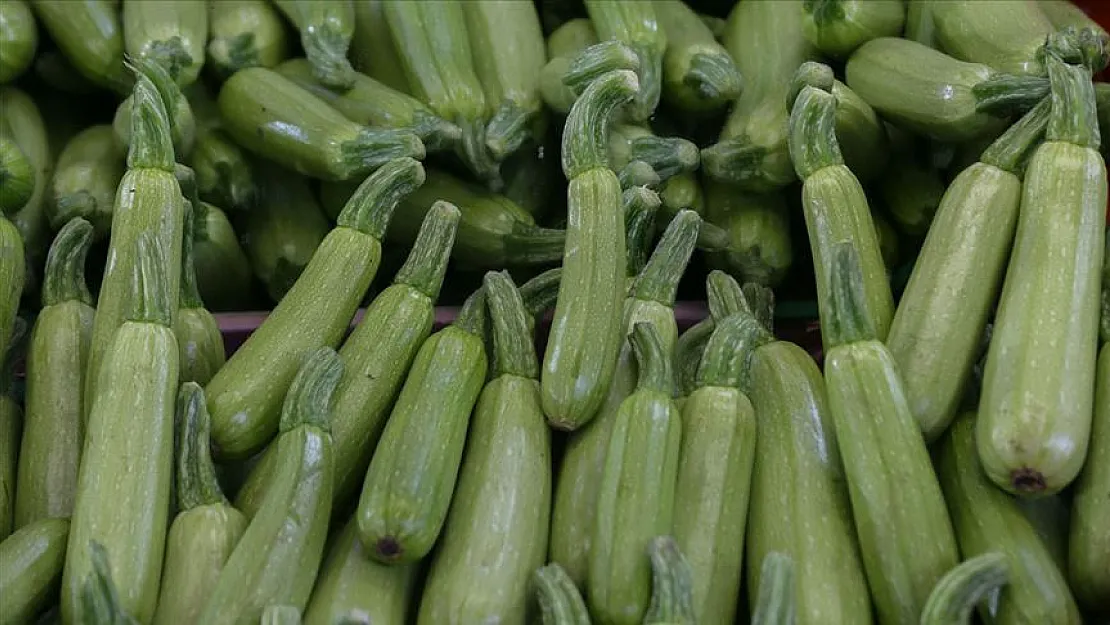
11	422
1004	34
559	599
372	49
1038	388
1089	542
244	397
636	24
837	27
12	276
957	594
31	562
245	33
672	596
17	173
200	343
87	174
24	124
326	28
90	33
172	33
223	271
758	227
223	173
699	76
19	38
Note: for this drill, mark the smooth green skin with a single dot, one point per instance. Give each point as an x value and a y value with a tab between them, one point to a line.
223	270
836	210
123	489
496	530
758	225
372	51
1089	541
12	272
1049	516
53	428
17	174
888	244
223	173
25	125
412	476
937	331
90	33
352	584
585	338
635	504
987	519
687	38
279	554
198	545
905	536
860	134
711	496
920	89
245	33
1004	34
90	165
30	566
580	471
849	24
1038	387
200	344
799	502
245	396
19	37
11	421
147	200
376	358
148	25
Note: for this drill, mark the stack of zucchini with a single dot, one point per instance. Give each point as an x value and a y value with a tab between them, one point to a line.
558	446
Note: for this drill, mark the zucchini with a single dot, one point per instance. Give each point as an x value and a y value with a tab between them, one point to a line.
640	206
585	338
1049	518
507	45
407	491
963	588
206	528
201	346
122	499
1064	14
637	174
911	189
1005	35
53	430
888	248
23	123
245	394
90	33
354	586
698	73
372	50
17	174
19	38
563	46
758	228
224	175
558	597
303	133
31	562
861	134
636	24
672	601
532	178
919	25
837	27
326	28
1038	388
85	180
277	558
11	423
182	121
172	33
688	351
835	209
774	602
371	103
905	535
1102	98
245	33
54	69
635	501
376	358
987	520
223	271
281	615
668	156
502	503
937	328
1089	542
12	275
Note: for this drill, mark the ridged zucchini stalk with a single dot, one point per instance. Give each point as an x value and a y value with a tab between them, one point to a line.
1038	388
182	122
23	123
407	491
12	276
85	180
585	338
206	528
559	599
326	28
650	300
16	172
244	397
31	562
837	27
53	430
372	50
836	210
245	33
962	589
223	271
502	504
636	24
90	33
672	592
698	73
563	46
376	358
123	489
1089	542
1005	35
758	228
198	337
938	326
905	535
171	33
19	38
223	172
988	520
774	603
667	156
11	422
277	558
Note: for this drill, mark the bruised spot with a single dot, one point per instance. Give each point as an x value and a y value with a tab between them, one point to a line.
388	548
1027	480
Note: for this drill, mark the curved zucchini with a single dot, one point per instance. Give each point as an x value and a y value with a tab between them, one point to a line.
11	422
1089	542
200	343
277	558
245	394
17	173
758	228
245	33
698	73
223	173
180	113
19	38
90	33
53	430
837	27
635	23
1005	35
172	33
563	46
31	562
223	271
672	593
960	590
326	28
560	601
23	123
86	176
12	276
372	50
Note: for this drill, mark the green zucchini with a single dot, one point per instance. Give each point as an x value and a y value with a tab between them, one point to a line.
637	174
640	206
1089	543
1038	387
963	588
372	50
636	24
53	431
532	178
559	599
12	276
122	499
376	358
180	113
563	45
85	180
987	520
31	562
635	501
668	156
200	343
861	134
90	33
919	25
507	44
672	593
758	227
837	27
502	503
55	70
206	528
1005	35
910	190
1049	517
223	271
303	133
937	328
17	174
281	615
354	586
244	396
172	33
407	491
223	173
245	33
698	73
19	39
11	423
585	338
326	28
774	603
23	123
1102	99
888	248
277	558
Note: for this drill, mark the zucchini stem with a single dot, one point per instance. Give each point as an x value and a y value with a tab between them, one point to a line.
1074	117
64	276
812	132
810	74
724	295
437	133
656	369
1006	93
641	205
308	401
637	174
658	282
151	141
473	151
472	316
586	133
532	245
1010	151
371	206
514	350
539	293
427	262
760	300
196	481
178	111
672	585
374	147
559	599
651	82
688	354
326	51
849	321
725	361
169	54
668	156
598	60
963	588
507	130
713	77
153	303
189	294
774	604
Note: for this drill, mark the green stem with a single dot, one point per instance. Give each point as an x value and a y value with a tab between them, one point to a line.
724	295
472	317
668	156
436	133
326	51
958	593
507	130
473	151
672	585
598	60
727	353
196	481
651	82
189	295
559	599
64	276
372	204
812	132
658	282
810	74
850	321
377	147
151	140
1010	151
761	301
688	352
586	133
774	604
152	298
308	400
532	245
656	369
427	261
514	351
161	71
540	293
641	205
1005	94
1074	118
714	77
638	174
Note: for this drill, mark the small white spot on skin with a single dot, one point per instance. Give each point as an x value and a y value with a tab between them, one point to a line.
239	418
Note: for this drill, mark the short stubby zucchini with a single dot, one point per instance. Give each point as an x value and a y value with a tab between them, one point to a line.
699	75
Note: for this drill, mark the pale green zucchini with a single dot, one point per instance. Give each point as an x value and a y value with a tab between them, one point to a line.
758	228
281	615
90	33
19	38
326	28
563	45
245	33
31	562
667	156
86	176
17	174
1004	34
911	188
223	174
957	594
672	592
172	33
1088	540
919	25
636	24
372	51
837	27
699	76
